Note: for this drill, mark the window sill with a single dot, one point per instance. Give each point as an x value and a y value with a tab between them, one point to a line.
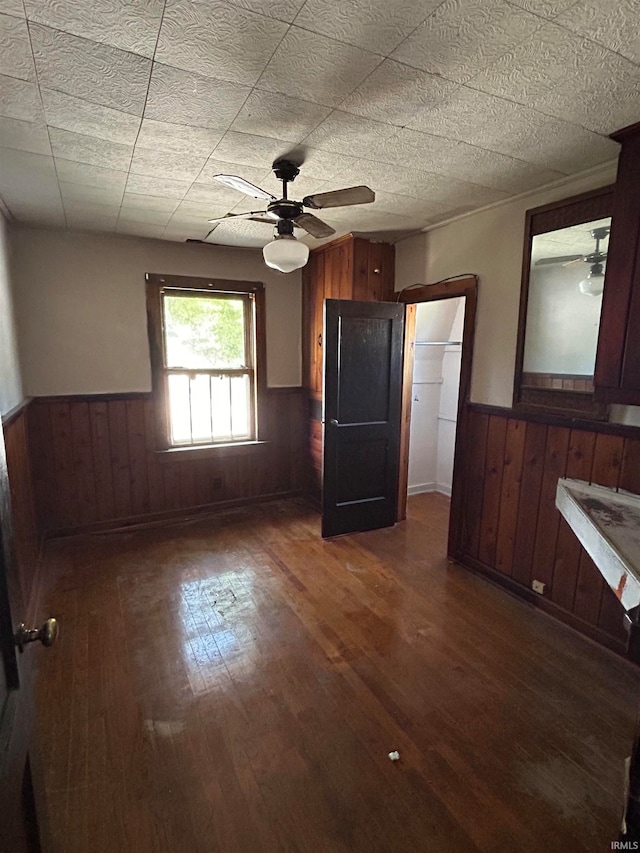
206	451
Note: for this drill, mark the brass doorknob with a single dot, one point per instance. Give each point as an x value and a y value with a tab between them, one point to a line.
47	634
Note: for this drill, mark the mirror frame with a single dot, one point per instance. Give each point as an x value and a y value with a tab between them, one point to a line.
595	204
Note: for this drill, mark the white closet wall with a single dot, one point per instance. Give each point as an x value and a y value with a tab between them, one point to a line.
436	378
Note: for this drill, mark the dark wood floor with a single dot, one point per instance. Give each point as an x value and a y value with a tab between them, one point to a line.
236	684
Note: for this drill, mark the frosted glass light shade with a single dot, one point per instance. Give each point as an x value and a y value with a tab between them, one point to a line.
592	285
285	254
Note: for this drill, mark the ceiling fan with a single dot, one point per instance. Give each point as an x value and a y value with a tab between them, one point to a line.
284	252
593	284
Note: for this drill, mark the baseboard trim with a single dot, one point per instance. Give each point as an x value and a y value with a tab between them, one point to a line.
156	518
427	488
548	607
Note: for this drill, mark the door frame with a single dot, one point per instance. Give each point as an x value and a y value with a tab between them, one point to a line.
466	286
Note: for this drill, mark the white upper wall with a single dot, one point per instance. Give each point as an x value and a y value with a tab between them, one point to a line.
10	382
81	311
490	244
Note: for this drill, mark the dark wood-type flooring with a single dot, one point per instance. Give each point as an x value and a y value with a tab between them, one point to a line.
234	683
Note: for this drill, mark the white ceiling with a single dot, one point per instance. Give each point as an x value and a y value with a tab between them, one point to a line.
116	114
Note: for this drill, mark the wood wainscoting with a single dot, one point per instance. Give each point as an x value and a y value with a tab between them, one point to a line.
26	536
95	463
507	525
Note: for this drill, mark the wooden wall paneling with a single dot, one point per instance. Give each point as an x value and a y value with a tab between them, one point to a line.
117	414
136	432
62	443
318	342
42	464
509	499
589	590
494	464
155	474
630	471
344	271
25	528
474	485
361	269
532	470
548	522
83	461
102	467
568	548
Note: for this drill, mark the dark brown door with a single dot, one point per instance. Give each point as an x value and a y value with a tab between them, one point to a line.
362	404
18	820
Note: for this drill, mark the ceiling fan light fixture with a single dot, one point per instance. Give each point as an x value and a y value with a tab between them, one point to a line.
592	285
285	254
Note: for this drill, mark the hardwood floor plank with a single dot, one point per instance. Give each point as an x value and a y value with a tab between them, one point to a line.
254	678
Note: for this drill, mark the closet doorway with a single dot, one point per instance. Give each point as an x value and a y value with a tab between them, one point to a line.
439	330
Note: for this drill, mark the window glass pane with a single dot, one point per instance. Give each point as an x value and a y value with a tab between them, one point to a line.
204	332
205	409
240	391
179	409
563	308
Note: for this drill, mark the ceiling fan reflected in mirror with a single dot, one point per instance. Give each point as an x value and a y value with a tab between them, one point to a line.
285	253
593	284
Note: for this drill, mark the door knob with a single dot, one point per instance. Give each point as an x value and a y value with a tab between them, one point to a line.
47	634
334	422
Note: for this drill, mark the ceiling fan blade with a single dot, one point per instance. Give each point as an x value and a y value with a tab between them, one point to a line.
561	259
340	198
248	215
243	186
314	226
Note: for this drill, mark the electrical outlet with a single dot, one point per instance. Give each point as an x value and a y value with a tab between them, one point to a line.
538	586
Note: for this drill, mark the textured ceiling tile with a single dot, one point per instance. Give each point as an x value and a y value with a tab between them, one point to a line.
323	165
90	150
178	138
509	128
90	176
15	50
217	39
24	136
216	196
464	36
95	72
316	68
12	7
37	212
283	10
139	229
19	99
164	187
131	26
545	8
377	25
568	77
79	116
28	184
447	192
161	164
615	25
149	202
85	214
464	162
245	149
349	134
142	214
402	205
79	194
242	232
182	97
278	116
396	94
199	211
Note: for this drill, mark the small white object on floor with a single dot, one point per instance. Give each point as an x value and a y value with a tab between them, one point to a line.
394	756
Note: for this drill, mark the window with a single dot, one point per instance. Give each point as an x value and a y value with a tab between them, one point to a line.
565	258
203	337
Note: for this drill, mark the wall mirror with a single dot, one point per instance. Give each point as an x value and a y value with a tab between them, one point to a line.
564	265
